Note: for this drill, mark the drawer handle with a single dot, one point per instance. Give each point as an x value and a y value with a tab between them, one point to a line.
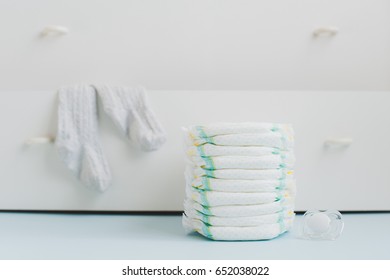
54	30
325	31
338	142
39	140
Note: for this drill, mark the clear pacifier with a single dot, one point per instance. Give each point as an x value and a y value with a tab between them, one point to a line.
322	225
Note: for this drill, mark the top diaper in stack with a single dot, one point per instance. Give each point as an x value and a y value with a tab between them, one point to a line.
239	180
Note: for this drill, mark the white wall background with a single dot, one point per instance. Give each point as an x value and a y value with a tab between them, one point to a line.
196	44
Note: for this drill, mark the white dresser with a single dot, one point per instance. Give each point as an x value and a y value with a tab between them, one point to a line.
204	61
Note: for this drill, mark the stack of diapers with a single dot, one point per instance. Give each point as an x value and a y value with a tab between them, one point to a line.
239	180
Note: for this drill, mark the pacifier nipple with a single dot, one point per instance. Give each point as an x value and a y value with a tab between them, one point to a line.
318	222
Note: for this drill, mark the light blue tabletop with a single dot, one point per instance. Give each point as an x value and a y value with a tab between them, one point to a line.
75	236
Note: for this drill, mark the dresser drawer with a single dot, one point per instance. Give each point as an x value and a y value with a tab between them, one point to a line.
356	177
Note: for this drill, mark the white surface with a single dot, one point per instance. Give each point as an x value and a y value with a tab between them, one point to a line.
352	178
51	236
197	44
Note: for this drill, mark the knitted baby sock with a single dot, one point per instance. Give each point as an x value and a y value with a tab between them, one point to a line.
131	112
77	138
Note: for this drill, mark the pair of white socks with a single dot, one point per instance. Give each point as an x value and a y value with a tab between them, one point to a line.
77	138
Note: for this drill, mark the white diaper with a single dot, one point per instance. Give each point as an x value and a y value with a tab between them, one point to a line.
245	186
214	150
239	128
245	174
244	162
263	232
273	140
239	180
240	210
213	198
240	221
